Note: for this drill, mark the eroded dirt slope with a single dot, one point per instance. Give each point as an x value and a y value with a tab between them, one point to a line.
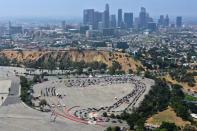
124	59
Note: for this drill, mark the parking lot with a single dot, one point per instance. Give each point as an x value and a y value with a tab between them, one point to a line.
94	95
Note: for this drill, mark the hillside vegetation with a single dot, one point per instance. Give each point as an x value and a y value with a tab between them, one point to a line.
186	87
23	57
168	115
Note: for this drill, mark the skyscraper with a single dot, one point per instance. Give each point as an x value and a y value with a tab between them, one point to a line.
143	18
161	20
88	17
120	21
97	19
106	16
100	25
167	21
151	26
178	21
15	29
63	24
113	21
128	20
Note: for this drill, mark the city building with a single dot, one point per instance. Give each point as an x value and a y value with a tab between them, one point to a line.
64	25
120	21
128	20
167	21
178	21
88	17
100	25
15	29
152	26
113	21
143	18
172	25
106	16
97	18
93	33
83	29
161	21
108	32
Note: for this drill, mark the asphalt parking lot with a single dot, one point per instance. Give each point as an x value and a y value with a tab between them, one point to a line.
94	94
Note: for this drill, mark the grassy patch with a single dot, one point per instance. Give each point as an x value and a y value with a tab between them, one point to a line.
190	98
186	87
167	116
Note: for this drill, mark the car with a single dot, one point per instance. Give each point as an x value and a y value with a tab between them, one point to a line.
114	121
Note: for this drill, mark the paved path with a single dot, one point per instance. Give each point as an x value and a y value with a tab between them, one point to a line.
17	117
4	90
14	94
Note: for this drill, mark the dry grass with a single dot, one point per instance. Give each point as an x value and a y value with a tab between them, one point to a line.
88	56
186	87
167	115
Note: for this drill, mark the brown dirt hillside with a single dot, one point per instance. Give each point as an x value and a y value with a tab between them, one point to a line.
88	56
167	115
186	87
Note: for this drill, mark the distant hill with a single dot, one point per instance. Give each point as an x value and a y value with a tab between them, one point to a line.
124	59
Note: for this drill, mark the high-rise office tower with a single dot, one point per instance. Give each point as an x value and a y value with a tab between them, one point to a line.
88	17
148	18
167	21
136	22
113	21
143	18
15	29
97	19
106	16
63	24
152	26
10	24
161	21
100	25
143	9
178	21
128	20
120	21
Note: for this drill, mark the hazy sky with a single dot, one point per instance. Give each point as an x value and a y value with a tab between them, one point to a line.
74	8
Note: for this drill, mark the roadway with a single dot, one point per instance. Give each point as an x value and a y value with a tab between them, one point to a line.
14	93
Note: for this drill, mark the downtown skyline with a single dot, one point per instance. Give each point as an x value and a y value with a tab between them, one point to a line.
72	9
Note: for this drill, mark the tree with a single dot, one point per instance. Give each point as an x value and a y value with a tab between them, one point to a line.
116	128
169	126
160	130
25	87
157	100
36	78
130	71
116	65
79	70
189	128
109	129
105	114
50	64
111	71
42	104
176	102
113	116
